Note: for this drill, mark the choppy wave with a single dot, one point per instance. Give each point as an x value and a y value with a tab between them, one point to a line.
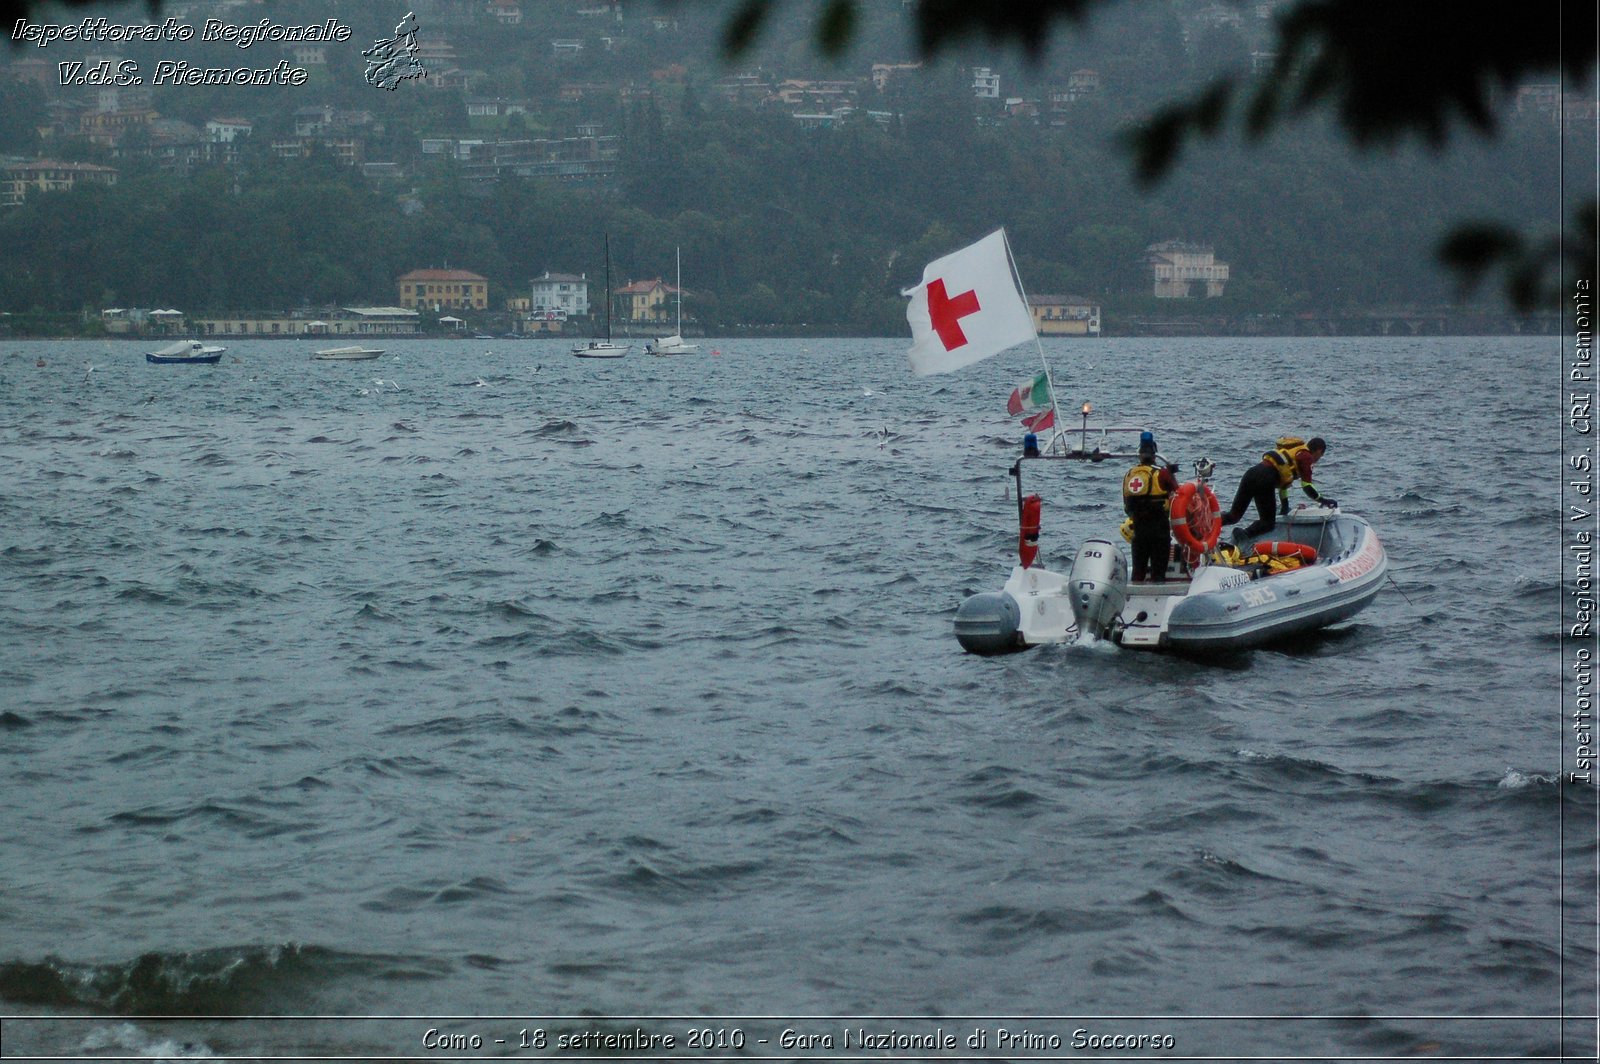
222	981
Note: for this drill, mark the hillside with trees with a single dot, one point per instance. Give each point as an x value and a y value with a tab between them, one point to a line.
781	224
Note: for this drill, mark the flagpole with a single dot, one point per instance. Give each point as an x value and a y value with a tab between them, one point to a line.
1016	277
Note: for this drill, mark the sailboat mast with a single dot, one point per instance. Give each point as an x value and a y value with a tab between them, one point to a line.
680	294
608	288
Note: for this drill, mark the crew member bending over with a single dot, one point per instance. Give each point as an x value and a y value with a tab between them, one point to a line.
1291	460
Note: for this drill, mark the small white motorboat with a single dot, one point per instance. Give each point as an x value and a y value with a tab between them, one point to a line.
1322	566
353	353
185	351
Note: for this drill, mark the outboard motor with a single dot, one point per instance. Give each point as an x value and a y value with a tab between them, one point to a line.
1098	587
990	623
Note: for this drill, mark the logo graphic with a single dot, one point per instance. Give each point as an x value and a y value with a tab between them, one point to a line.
392	61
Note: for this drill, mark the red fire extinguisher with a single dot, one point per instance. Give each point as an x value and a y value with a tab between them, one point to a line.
1028	542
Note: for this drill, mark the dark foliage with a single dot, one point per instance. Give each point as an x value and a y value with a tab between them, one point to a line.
1386	71
776	210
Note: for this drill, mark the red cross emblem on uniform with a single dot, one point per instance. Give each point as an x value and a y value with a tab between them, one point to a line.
1136	484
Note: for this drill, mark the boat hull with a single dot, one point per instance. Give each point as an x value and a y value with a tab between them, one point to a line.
1285	605
347	354
989	624
185	352
174	360
670	345
599	351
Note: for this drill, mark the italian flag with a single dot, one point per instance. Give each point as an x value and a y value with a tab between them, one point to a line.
1030	395
1040	422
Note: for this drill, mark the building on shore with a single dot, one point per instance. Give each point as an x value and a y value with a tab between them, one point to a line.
649	301
137	321
1177	267
438	290
1064	315
565	293
346	321
19	179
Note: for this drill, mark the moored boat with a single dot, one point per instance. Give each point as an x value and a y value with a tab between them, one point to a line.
670	345
603	348
599	349
674	344
185	351
353	353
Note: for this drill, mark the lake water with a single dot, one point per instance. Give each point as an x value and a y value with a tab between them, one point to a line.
486	690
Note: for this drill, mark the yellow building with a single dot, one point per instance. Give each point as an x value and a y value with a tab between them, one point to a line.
48	175
108	128
439	289
650	301
1064	315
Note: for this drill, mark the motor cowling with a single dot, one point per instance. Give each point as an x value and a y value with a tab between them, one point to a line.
1097	587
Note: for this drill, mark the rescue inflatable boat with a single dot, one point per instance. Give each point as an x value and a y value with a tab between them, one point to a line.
1323	566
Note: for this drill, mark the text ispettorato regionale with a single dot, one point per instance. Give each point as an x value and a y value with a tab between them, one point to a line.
100	30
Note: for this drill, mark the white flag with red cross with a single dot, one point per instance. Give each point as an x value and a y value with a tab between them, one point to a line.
967	308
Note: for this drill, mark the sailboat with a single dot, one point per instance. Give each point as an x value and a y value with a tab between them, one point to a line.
673	345
603	348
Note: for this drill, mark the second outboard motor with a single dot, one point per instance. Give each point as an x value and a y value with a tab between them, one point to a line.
1098	587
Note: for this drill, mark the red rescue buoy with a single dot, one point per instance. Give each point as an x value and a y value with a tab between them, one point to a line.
1028	542
1196	516
1282	548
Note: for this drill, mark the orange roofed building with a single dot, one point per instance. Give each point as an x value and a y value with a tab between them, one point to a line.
648	301
438	289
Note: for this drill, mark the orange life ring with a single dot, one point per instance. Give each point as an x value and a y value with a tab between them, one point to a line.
1282	548
1196	516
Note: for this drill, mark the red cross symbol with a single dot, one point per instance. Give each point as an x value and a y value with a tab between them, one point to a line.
947	313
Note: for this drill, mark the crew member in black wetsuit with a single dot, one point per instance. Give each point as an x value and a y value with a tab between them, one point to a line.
1146	490
1292	459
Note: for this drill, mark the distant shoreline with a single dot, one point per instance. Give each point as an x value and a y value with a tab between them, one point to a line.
1541	327
1399	321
